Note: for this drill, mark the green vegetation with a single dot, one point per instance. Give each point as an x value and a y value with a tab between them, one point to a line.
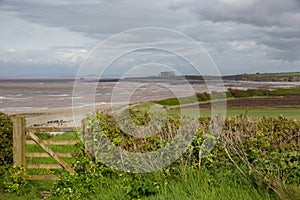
201	97
254	158
204	184
276	74
6	140
231	94
290	113
248	160
267	77
13	180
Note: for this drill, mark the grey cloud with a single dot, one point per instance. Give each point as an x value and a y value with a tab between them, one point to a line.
238	34
273	25
35	70
106	17
257	12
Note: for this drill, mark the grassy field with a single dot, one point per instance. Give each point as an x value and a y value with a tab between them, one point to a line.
291	113
172	104
276	74
230	94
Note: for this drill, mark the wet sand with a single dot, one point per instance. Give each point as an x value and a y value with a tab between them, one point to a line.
49	102
56	117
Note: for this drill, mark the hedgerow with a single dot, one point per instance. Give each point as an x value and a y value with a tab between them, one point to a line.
264	151
6	140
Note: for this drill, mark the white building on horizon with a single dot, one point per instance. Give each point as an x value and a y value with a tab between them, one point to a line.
167	74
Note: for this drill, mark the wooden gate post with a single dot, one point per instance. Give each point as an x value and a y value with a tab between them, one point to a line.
84	124
19	140
84	130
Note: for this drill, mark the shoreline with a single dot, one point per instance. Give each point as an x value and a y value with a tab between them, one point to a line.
55	116
65	116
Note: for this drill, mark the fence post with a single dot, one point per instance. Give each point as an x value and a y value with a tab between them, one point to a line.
84	127
19	140
84	130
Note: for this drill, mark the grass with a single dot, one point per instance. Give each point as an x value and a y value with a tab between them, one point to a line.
230	94
197	184
55	148
34	188
291	113
201	184
276	74
285	92
288	112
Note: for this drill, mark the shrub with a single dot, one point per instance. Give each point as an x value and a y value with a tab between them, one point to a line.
6	140
265	151
15	179
76	186
203	96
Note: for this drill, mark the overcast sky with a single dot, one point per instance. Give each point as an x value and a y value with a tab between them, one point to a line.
53	37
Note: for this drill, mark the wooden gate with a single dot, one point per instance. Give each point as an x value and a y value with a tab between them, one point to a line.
23	136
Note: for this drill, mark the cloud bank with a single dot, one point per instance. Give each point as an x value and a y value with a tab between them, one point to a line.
241	36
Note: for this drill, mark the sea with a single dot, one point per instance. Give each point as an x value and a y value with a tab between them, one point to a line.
40	93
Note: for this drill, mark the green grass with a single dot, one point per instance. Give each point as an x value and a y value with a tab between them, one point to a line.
56	148
33	191
230	94
291	113
34	188
204	185
285	92
175	101
197	184
276	74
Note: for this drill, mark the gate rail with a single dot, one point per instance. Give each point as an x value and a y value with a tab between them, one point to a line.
23	136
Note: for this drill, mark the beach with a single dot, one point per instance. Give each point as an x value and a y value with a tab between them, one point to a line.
55	117
52	102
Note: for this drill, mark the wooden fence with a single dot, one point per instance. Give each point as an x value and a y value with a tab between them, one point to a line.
23	136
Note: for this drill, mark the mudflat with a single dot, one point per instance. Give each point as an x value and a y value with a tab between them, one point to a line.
51	101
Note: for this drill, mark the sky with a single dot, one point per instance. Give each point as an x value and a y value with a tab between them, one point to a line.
53	37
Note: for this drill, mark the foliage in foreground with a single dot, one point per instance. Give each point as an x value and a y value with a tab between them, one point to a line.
15	179
253	159
6	140
262	155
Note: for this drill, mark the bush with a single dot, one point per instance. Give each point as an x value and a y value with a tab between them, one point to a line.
203	96
265	151
15	179
76	186
6	140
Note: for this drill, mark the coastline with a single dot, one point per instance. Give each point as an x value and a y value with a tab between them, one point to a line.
44	102
55	116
